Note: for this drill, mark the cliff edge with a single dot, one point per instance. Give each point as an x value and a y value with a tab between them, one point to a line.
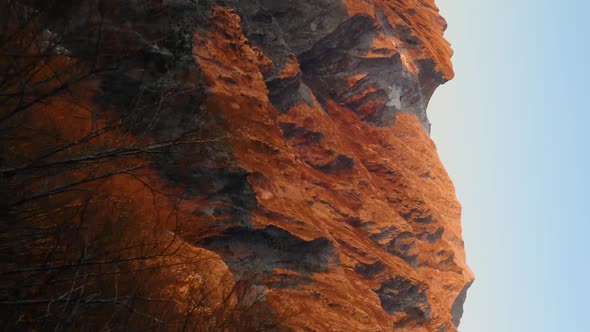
286	141
350	219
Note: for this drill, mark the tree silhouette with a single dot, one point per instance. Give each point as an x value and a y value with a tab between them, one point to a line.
91	237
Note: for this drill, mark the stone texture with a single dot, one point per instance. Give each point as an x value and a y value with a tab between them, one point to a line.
356	226
321	181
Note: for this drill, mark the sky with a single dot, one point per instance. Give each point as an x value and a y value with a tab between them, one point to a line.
512	131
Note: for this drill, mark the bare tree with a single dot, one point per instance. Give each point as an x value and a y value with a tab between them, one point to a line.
91	238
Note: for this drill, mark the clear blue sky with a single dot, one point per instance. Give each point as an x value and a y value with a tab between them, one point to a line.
512	131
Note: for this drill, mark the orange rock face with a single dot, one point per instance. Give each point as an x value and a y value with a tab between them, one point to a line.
351	220
317	172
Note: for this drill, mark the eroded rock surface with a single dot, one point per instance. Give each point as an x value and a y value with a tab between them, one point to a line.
355	224
318	174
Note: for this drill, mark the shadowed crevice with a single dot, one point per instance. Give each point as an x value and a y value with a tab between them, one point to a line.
457	308
262	250
400	295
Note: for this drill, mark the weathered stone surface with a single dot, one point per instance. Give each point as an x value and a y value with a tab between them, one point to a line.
318	175
355	225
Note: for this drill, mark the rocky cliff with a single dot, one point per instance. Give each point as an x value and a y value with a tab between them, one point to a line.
345	210
316	172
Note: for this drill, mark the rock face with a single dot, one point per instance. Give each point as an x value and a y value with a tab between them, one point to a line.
319	176
343	208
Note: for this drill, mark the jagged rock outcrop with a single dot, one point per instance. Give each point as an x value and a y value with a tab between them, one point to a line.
355	223
316	172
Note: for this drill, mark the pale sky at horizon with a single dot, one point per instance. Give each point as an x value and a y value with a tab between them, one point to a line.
511	130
